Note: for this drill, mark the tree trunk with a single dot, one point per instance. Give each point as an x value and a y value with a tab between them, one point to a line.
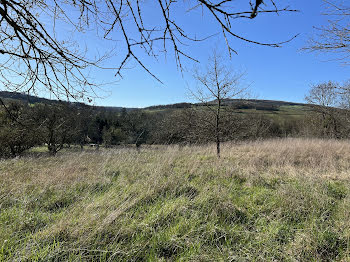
217	129
52	149
218	147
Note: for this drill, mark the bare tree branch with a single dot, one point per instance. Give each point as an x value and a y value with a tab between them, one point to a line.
34	56
335	37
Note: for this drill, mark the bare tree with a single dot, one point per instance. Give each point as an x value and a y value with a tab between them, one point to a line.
217	84
34	54
335	36
325	95
325	99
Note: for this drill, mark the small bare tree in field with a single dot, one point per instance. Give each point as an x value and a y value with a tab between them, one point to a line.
215	85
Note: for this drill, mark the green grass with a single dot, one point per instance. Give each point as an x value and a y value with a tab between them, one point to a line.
281	200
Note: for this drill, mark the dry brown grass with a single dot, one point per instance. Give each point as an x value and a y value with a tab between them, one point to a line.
311	157
294	157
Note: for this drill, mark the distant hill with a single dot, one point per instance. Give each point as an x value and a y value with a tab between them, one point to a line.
279	111
24	98
256	104
15	96
241	105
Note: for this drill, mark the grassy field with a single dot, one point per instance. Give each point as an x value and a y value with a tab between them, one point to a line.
277	200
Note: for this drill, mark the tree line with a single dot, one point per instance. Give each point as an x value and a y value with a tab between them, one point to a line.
60	125
211	120
56	126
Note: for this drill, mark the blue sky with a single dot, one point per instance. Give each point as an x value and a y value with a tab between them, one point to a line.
273	73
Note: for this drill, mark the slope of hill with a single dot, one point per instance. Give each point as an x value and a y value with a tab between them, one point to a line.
25	98
278	110
273	108
243	103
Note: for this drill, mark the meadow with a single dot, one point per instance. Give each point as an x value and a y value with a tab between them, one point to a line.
273	200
